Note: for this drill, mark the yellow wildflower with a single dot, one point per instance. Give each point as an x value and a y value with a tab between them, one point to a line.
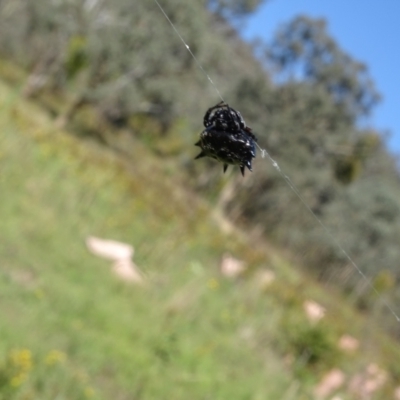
55	357
18	380
213	284
89	392
21	359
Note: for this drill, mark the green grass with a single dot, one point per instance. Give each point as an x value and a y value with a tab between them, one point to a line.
71	330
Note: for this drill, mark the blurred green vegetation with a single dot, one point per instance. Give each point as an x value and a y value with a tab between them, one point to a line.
100	104
71	330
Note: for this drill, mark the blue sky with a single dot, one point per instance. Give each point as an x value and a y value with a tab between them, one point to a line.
369	30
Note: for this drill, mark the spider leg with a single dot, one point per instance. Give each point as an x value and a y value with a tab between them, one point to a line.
225	167
248	165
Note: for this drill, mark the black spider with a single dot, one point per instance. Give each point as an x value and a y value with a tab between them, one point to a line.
226	138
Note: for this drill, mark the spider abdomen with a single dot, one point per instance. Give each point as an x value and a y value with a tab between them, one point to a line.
226	138
228	148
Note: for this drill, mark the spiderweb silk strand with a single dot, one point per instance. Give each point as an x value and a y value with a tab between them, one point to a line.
289	182
188	49
327	231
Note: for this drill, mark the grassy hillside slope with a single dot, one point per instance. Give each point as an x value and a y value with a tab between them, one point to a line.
71	330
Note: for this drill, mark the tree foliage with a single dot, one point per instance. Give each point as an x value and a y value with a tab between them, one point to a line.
304	49
234	8
122	57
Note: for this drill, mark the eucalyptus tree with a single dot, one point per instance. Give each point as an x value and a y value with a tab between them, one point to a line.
234	8
309	121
